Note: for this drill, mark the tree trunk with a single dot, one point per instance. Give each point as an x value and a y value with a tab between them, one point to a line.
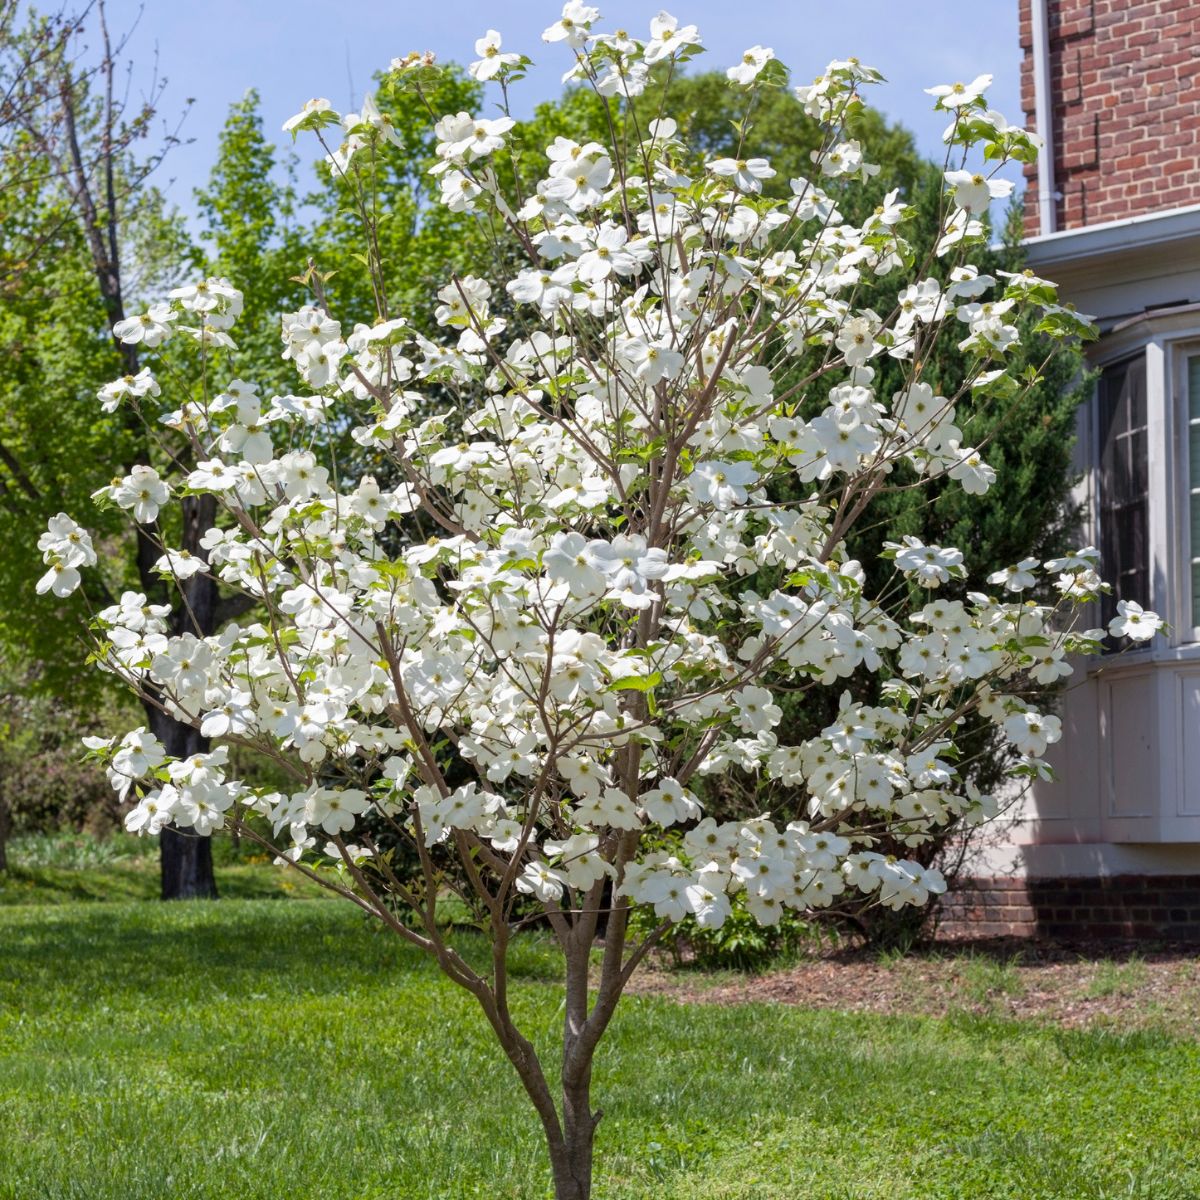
571	1159
186	858
5	827
572	1165
187	866
569	1137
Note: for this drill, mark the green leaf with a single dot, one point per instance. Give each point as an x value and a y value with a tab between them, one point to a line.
636	683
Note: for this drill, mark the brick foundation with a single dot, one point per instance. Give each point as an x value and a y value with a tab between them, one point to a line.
1117	907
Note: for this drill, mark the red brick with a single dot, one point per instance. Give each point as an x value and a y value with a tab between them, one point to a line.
1133	65
1148	907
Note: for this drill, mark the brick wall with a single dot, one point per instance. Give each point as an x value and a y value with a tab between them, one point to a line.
1121	906
1126	117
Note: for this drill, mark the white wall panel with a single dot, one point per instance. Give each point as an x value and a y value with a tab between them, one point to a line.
1188	734
1129	737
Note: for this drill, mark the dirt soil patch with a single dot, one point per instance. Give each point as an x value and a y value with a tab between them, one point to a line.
1122	987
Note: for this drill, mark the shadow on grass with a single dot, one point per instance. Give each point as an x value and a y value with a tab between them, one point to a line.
153	948
223	946
138	879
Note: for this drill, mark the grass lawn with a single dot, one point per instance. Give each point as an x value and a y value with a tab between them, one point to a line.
253	1049
63	868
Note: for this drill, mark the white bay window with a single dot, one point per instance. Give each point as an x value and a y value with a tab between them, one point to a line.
1192	389
1128	789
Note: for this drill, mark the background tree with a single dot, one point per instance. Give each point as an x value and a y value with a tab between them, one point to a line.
247	231
392	189
81	189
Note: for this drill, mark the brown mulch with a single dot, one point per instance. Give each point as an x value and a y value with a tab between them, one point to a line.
1122	987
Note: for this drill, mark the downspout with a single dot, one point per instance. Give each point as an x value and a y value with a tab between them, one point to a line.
1043	115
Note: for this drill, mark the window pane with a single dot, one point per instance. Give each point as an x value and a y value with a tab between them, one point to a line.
1135	384
1123	483
1139	464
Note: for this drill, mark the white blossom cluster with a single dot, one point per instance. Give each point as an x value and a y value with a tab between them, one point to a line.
581	479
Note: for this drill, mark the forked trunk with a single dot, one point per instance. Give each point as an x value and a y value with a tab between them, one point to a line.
571	1133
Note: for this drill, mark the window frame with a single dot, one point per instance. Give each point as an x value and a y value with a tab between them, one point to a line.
1168	338
1186	604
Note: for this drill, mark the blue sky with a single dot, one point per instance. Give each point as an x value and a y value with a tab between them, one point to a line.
213	50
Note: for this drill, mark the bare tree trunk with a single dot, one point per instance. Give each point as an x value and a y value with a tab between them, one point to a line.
186	862
573	1165
186	866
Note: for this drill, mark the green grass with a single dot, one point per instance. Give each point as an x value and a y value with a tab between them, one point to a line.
258	1051
1116	978
987	980
137	881
79	850
64	867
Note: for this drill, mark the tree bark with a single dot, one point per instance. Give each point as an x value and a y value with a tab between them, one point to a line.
572	1165
186	862
571	1159
185	858
187	866
5	827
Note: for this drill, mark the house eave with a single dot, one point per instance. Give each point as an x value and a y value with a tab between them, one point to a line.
1121	269
1080	246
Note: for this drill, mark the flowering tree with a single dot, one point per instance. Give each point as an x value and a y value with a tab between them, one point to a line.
514	630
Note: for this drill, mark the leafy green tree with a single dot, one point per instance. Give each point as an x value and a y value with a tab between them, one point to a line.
246	225
52	342
416	242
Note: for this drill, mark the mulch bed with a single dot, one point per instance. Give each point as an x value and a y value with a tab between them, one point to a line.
1122	987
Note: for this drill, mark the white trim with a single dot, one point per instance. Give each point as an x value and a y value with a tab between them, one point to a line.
1043	102
1129	233
1187	626
1184	786
1084	860
1161	470
1171	325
